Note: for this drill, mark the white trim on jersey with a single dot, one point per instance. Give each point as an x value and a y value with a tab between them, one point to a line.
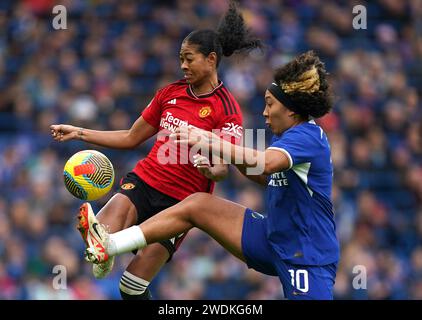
302	171
199	96
286	153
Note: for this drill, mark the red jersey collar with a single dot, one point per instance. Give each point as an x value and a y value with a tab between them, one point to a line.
204	95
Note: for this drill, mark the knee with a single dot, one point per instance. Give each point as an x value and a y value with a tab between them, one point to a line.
197	201
196	204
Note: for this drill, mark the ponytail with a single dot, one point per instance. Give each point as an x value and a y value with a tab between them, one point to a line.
231	36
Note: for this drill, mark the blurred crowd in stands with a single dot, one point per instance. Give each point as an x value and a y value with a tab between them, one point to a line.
105	67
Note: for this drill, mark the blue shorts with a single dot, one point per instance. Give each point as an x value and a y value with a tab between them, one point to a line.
299	282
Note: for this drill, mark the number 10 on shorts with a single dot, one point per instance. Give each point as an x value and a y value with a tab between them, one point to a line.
300	279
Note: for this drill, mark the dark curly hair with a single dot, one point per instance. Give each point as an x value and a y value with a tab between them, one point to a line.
231	36
304	81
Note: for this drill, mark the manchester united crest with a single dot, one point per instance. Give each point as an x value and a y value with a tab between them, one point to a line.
127	186
204	111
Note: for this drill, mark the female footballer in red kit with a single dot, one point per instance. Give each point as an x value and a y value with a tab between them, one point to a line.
200	100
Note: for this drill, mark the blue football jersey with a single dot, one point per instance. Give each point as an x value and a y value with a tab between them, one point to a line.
301	225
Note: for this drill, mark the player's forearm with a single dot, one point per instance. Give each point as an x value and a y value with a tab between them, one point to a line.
110	139
250	162
257	178
234	154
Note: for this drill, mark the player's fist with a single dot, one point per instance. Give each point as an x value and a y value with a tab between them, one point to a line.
203	165
64	132
200	161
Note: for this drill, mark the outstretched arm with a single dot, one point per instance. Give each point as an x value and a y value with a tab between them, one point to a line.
251	162
121	139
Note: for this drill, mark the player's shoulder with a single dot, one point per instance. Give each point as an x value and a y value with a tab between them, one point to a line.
225	93
307	128
182	83
306	132
174	86
313	129
228	102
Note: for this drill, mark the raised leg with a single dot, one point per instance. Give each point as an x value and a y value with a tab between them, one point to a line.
220	218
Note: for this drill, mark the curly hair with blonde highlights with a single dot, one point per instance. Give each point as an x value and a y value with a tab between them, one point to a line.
304	81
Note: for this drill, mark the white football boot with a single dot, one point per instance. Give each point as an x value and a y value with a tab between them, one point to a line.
96	238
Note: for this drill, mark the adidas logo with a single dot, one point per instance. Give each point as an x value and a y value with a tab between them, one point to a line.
173	101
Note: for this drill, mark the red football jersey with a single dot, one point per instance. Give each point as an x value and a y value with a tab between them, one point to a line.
169	167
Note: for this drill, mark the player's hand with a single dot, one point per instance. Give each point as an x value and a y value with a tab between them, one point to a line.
200	161
64	132
203	165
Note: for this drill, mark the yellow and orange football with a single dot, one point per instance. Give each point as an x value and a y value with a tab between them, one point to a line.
88	175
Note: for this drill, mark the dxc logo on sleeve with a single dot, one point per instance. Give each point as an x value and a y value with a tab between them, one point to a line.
233	129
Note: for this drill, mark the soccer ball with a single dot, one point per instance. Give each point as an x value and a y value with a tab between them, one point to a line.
88	175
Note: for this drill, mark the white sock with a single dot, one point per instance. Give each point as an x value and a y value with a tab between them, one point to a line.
126	240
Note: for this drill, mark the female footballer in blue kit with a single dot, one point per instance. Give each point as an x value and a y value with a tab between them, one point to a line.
296	241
